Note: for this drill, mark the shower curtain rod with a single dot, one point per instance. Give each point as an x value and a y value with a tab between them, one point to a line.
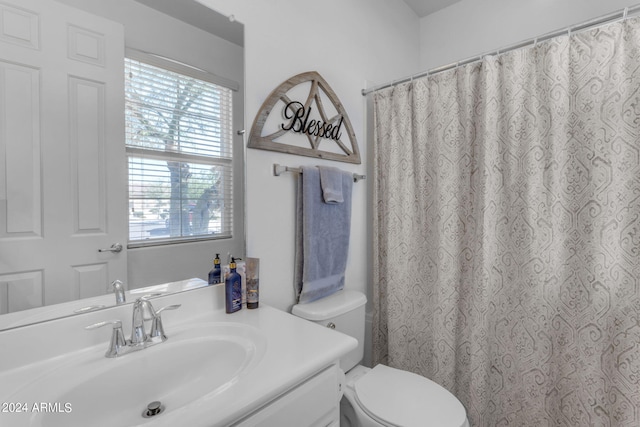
621	14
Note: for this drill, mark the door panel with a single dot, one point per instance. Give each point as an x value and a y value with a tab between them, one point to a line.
63	189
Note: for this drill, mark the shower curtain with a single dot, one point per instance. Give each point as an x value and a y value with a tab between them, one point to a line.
507	231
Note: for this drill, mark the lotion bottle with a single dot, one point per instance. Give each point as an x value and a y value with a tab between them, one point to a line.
252	274
233	289
215	273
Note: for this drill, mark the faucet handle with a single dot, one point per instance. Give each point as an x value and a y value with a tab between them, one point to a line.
116	324
157	330
117	336
168	307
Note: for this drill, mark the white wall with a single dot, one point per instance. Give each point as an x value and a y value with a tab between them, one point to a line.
348	43
473	27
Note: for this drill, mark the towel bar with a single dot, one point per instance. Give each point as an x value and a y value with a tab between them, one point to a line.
279	169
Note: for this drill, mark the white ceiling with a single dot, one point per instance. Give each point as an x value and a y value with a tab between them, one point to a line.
425	7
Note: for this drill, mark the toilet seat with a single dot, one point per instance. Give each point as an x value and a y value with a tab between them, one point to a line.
399	398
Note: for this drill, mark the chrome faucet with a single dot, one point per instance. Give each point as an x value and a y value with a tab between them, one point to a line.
142	310
118	289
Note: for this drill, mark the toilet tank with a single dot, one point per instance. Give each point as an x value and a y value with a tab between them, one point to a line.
343	311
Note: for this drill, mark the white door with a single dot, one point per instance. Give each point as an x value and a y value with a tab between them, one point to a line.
62	159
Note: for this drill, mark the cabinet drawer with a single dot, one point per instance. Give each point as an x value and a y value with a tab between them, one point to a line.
314	403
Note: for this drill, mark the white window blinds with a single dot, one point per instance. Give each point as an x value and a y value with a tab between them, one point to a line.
179	149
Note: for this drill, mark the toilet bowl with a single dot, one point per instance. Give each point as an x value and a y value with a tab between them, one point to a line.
380	396
385	396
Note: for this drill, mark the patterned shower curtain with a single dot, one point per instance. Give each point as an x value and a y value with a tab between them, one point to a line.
507	227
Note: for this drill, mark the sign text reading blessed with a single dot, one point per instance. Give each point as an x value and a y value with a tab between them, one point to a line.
301	123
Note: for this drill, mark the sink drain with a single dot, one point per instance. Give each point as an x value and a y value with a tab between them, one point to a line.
153	409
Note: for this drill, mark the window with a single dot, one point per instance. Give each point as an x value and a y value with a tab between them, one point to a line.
179	151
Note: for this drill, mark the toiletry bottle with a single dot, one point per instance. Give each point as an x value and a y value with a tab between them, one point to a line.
233	289
241	269
215	273
253	279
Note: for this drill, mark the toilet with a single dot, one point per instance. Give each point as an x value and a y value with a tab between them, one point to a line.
380	396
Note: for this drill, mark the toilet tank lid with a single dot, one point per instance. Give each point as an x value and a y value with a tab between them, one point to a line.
328	307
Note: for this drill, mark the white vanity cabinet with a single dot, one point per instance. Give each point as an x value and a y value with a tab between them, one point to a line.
314	403
261	367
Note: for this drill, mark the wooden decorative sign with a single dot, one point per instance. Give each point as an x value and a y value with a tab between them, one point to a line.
304	116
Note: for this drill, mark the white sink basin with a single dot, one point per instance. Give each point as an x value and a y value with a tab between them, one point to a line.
215	370
90	389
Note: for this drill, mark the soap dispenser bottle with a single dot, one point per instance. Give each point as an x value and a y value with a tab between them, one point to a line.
233	289
215	273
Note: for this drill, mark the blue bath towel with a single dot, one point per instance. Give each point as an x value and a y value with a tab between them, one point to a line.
322	237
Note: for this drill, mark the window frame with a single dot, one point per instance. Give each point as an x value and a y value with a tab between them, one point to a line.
236	161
